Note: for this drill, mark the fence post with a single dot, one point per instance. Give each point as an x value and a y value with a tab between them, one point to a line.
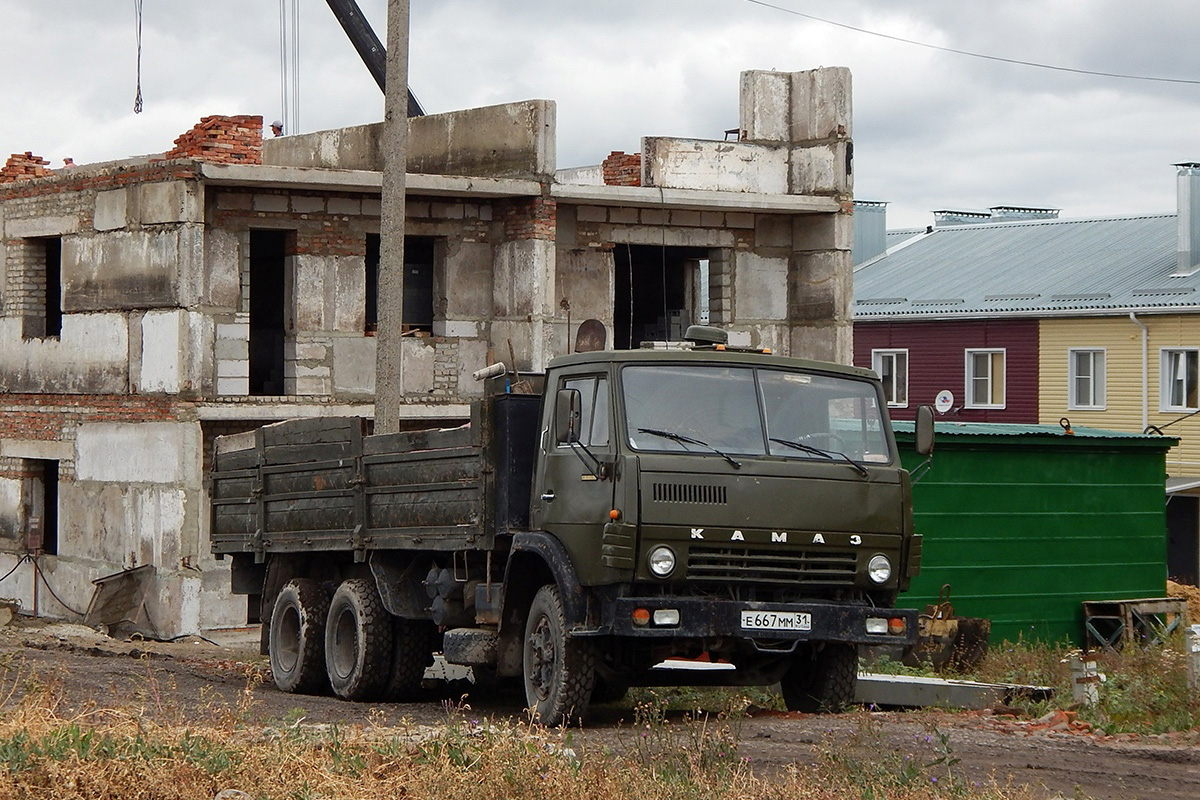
1085	680
1193	653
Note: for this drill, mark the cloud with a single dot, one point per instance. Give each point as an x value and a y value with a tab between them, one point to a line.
931	130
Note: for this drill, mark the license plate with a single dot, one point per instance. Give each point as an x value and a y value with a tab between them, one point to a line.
776	621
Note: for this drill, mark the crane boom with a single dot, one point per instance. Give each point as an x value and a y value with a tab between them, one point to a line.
370	49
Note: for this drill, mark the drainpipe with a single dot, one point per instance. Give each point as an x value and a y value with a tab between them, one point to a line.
1145	369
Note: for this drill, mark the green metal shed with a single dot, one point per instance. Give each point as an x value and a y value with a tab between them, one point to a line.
1025	522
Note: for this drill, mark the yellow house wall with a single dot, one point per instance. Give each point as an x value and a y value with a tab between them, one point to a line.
1121	339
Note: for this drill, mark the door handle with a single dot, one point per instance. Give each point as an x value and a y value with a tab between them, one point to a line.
548	496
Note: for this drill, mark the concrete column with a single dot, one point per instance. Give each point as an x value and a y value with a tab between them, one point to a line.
821	288
524	301
389	365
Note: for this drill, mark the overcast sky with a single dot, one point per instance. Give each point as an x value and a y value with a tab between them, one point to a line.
932	129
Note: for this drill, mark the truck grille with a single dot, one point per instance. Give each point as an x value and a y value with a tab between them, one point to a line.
770	566
698	493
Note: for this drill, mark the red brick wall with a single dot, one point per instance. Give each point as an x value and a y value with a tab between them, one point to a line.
22	166
45	416
536	218
81	180
220	139
621	169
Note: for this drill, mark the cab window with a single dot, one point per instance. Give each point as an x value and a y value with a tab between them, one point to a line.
594	419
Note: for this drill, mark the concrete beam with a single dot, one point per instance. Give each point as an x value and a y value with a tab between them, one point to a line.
651	197
270	412
338	180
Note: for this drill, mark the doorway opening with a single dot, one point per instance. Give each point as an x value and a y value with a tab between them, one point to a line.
43	506
268	260
659	292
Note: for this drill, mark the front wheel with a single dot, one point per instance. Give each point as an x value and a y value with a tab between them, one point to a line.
358	641
560	671
823	681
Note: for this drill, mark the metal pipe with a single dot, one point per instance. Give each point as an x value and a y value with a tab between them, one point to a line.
1145	368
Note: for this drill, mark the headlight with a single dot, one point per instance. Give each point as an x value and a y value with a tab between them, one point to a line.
661	561
880	569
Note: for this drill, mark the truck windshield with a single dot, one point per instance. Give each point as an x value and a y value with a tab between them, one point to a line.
753	411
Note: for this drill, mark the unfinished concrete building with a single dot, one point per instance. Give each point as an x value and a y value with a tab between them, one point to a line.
152	304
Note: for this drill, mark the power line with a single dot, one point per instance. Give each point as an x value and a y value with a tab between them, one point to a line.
1017	61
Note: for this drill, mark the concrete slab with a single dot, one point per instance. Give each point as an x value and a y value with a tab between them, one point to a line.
912	691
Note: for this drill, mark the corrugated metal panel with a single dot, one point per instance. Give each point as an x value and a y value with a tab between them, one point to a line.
1080	436
937	361
1029	268
1025	524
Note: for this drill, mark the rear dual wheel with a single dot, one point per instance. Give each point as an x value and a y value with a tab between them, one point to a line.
296	637
358	641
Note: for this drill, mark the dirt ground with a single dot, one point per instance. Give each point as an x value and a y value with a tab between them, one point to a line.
196	678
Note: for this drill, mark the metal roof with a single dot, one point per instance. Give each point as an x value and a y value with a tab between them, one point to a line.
943	427
1029	269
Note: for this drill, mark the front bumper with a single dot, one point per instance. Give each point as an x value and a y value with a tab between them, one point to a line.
703	618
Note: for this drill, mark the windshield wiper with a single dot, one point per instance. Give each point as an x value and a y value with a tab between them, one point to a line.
832	454
679	437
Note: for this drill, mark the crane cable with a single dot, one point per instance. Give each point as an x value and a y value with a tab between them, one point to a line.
137	11
289	66
283	64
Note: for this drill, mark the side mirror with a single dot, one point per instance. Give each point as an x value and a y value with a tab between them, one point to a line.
924	430
567	414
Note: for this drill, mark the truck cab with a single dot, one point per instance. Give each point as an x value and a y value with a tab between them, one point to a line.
735	504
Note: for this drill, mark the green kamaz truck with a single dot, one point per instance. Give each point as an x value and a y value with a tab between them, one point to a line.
625	509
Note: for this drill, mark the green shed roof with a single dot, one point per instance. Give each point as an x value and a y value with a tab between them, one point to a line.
1034	434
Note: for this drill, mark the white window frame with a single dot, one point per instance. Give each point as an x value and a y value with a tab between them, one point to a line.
1168	358
968	394
877	357
1098	401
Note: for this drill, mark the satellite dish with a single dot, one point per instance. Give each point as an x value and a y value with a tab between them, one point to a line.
944	401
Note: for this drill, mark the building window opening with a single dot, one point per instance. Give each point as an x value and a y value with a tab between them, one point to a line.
53	295
420	255
1180	380
42	314
1086	380
268	260
892	368
659	292
43	506
985	379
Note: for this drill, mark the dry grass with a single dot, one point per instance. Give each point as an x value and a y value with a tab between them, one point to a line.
153	750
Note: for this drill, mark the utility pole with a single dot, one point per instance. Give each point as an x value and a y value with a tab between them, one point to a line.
389	366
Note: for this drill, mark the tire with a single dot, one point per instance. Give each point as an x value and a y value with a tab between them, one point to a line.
412	653
470	647
559	670
296	637
822	682
358	641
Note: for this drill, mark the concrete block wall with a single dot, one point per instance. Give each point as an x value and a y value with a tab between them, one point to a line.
328	351
130	494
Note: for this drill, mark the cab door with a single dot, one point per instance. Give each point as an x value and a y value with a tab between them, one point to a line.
572	492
